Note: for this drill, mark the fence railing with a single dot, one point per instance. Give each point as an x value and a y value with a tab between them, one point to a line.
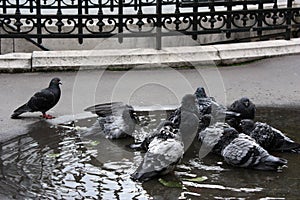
40	19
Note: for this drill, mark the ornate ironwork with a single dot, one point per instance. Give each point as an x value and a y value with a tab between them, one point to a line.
81	19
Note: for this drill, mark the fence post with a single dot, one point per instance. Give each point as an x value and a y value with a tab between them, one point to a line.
158	23
228	21
120	17
195	24
38	21
80	32
288	19
260	18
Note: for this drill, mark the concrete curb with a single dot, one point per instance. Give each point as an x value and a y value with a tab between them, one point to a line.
125	58
224	54
15	62
243	52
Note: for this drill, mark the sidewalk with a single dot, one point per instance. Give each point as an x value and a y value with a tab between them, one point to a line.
225	54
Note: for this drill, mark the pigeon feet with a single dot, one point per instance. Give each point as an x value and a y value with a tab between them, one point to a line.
46	116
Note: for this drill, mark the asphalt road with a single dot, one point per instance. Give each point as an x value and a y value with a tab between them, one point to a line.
270	82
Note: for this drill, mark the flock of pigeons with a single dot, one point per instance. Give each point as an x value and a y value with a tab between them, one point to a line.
228	132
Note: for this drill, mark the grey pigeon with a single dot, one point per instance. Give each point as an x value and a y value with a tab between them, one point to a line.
188	105
268	137
169	142
243	151
189	120
116	119
164	152
237	149
211	138
41	101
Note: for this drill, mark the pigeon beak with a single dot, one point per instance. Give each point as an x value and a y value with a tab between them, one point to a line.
59	83
247	104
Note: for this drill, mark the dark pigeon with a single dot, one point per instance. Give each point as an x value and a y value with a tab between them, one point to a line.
41	101
116	119
237	149
268	137
245	107
169	142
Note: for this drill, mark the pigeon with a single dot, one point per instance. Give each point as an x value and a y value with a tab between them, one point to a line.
116	119
237	149
189	120
169	142
186	117
243	151
211	138
41	101
245	107
268	137
208	105
164	153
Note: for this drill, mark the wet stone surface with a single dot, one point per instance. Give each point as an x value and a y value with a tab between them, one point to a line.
58	162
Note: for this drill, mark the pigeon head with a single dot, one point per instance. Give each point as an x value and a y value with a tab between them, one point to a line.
245	101
230	132
55	82
200	93
247	125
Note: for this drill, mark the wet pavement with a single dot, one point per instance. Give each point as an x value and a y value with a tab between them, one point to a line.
270	82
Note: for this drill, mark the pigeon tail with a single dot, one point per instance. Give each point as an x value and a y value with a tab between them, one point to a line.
293	147
271	163
22	109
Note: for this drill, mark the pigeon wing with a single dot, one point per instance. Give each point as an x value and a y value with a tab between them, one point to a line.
241	152
116	119
42	101
105	109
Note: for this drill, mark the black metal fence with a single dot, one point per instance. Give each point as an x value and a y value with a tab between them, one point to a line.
81	19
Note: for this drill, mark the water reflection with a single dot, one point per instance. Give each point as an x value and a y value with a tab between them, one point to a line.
55	163
58	163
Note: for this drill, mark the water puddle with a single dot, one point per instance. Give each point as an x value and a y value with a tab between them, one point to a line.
59	162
